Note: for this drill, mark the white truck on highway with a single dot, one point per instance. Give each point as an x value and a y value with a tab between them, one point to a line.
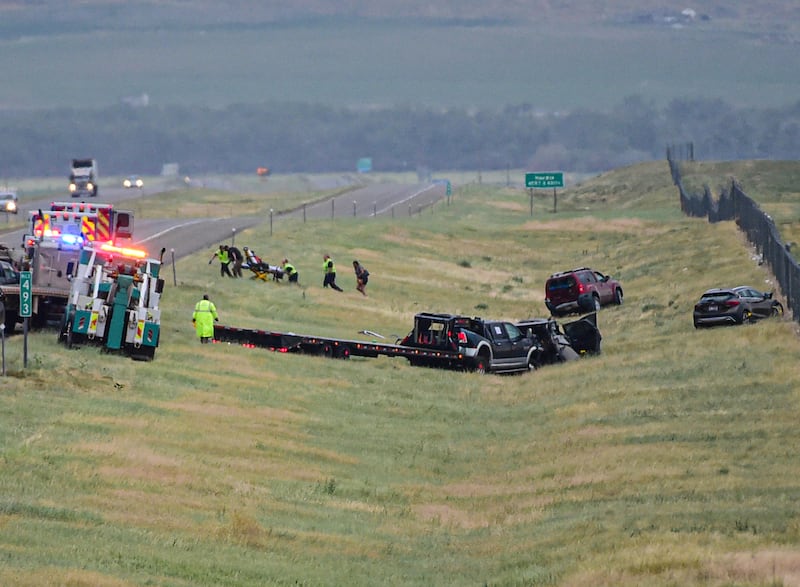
83	178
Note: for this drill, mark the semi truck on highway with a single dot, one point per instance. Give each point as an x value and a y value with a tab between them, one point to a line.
83	178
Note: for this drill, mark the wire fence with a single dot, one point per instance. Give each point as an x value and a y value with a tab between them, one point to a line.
734	204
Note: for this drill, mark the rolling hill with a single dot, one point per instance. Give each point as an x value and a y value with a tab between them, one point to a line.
668	459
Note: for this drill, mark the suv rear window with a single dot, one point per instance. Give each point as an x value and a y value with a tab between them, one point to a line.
557	283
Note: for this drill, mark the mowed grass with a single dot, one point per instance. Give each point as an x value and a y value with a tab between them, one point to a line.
668	459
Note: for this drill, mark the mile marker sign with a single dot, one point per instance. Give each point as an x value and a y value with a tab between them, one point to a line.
25	294
552	179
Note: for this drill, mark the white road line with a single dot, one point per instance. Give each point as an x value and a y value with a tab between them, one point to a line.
411	197
175	227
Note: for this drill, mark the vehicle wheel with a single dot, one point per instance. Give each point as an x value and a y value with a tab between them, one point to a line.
618	296
697	324
777	310
596	301
481	364
534	362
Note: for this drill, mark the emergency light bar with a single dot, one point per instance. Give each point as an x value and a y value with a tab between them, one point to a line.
137	253
79	207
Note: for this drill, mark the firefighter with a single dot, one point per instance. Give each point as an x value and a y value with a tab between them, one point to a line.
289	270
203	318
329	269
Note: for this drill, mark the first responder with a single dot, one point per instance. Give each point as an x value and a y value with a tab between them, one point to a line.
329	269
224	261
203	318
290	270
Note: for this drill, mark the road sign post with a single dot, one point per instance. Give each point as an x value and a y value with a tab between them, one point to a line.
25	310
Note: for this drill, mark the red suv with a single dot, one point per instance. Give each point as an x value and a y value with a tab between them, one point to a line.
580	290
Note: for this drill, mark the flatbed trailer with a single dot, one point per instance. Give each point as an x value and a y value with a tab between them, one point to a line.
337	348
48	304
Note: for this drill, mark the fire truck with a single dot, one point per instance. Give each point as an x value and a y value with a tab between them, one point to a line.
52	249
113	301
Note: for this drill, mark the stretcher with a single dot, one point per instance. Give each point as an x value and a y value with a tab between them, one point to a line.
264	271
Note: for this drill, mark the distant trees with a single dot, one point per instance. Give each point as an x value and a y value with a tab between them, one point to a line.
292	137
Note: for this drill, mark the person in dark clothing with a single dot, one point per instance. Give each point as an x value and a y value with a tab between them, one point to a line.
362	277
329	269
237	258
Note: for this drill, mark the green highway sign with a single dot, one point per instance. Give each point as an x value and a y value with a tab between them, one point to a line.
25	294
551	179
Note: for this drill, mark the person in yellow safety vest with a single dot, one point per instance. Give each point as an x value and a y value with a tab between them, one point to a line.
329	269
203	318
289	270
224	261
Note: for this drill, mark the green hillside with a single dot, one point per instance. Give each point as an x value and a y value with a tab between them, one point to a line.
668	459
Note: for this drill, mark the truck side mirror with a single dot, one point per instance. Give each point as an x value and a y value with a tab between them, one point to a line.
159	285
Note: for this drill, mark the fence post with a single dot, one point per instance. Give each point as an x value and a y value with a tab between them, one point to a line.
174	275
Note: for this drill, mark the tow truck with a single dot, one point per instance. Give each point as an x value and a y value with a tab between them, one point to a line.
114	301
445	341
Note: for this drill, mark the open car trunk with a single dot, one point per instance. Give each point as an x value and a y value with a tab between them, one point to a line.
583	334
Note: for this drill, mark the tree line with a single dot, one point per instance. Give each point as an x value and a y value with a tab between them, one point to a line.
314	138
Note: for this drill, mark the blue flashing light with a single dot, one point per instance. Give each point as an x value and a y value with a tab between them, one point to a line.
72	240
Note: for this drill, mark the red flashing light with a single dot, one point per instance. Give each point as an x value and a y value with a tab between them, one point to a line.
136	253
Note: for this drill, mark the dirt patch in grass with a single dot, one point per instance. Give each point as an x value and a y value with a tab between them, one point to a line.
514	206
59	576
592	224
773	567
215	410
445	515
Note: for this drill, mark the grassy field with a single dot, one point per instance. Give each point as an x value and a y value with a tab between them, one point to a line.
365	65
667	460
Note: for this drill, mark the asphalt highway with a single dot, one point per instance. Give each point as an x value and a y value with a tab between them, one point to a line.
184	236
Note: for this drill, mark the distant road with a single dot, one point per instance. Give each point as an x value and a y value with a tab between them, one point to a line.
375	200
185	236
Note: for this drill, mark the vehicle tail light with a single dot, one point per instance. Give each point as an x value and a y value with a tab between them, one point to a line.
462	338
580	288
732	303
